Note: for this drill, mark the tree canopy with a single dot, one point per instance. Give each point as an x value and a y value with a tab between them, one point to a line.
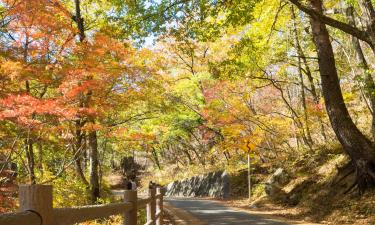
183	84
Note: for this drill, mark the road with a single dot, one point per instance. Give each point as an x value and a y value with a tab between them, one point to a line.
213	213
206	212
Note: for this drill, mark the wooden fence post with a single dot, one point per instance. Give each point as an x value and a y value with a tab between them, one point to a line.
130	217
159	206
151	207
37	199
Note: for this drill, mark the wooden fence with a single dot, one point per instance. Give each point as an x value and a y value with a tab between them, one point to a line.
36	208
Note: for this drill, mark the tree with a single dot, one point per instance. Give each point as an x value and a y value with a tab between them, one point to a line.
360	149
69	88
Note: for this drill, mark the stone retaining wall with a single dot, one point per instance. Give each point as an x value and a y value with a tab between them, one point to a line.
214	184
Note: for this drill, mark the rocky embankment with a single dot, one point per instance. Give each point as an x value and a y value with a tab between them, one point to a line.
214	184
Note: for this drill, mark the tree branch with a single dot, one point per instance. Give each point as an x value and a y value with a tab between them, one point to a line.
360	34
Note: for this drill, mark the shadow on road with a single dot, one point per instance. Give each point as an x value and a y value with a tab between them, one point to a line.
212	213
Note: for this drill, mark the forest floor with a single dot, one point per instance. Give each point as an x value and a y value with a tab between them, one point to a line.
318	192
299	215
273	211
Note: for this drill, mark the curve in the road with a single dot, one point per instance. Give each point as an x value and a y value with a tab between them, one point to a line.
213	213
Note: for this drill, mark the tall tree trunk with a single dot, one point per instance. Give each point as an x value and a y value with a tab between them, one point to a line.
78	152
94	167
369	82
303	95
29	144
307	71
304	105
360	149
29	141
30	160
79	123
79	20
40	159
93	139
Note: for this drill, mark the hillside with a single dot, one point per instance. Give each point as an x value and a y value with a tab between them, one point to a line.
319	192
314	190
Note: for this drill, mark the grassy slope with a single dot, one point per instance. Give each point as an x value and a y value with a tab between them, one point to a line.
317	197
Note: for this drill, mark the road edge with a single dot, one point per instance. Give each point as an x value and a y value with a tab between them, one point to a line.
268	216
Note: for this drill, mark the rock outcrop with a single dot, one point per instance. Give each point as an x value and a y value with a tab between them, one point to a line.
214	184
275	183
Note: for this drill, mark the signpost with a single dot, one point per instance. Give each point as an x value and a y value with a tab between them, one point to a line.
249	173
249	146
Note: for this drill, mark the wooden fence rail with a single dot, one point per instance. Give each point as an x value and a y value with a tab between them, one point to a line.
36	208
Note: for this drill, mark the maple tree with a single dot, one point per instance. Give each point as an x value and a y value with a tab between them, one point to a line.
69	84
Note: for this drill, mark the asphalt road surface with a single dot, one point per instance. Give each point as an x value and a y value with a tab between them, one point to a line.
213	213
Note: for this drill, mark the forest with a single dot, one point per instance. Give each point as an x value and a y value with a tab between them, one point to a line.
186	86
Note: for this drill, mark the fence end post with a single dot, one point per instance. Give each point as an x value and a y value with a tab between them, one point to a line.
130	217
38	199
151	207
159	206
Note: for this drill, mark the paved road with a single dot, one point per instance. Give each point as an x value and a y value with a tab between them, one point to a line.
213	213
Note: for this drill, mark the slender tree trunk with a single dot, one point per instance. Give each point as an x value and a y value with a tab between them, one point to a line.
78	153
28	141
307	71
30	147
369	82
40	159
79	20
296	118
79	145
360	149
156	157
303	95
93	139
30	160
94	165
304	105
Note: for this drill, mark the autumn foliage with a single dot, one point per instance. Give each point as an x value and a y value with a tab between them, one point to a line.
194	84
